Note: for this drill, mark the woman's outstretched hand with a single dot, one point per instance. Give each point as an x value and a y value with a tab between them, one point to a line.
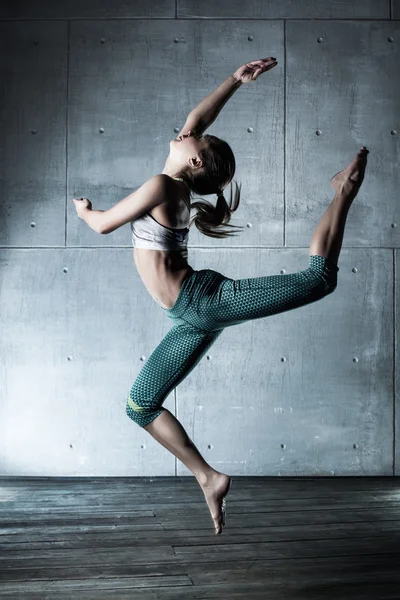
251	70
81	205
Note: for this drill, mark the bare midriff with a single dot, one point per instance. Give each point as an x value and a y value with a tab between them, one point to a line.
162	273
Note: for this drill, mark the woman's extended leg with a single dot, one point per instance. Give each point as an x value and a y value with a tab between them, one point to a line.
328	236
239	300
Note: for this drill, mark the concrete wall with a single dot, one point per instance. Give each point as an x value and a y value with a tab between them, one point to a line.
91	95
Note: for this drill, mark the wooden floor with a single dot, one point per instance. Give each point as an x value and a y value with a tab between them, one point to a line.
152	538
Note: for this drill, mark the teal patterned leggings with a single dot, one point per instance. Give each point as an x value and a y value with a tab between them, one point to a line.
207	303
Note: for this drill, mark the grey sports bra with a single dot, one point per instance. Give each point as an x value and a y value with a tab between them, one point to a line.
150	234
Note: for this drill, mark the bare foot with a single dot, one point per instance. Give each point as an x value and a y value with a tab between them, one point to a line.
350	179
215	490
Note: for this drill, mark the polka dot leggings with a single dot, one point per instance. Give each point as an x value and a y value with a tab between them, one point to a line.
207	303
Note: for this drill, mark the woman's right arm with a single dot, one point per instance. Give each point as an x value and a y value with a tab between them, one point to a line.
207	111
201	117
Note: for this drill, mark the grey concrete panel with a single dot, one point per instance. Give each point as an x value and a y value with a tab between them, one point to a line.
285	9
395	9
138	85
90	9
335	104
71	346
33	71
241	403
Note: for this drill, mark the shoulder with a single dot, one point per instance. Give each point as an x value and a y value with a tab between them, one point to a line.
167	187
157	187
162	182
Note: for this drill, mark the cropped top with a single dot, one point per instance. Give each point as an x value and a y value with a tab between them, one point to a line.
150	234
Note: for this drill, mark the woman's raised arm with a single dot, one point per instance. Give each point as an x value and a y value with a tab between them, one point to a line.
207	111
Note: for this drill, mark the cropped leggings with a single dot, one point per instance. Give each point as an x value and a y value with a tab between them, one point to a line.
207	303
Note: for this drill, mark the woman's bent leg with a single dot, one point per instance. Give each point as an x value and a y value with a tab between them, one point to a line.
173	359
168	431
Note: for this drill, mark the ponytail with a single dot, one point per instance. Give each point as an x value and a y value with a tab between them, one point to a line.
217	172
210	218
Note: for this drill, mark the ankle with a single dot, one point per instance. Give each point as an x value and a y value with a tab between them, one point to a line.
206	476
347	192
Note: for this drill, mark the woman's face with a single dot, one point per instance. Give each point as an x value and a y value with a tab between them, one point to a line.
187	146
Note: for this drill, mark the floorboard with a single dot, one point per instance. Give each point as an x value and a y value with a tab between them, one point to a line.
152	539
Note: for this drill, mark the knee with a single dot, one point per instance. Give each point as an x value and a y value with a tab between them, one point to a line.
142	413
324	287
330	286
325	273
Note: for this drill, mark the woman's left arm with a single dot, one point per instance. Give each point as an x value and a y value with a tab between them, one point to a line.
94	218
152	193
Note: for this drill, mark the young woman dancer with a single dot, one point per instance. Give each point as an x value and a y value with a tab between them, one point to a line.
202	303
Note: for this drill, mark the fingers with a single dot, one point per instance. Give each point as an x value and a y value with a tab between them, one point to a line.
262	61
263	65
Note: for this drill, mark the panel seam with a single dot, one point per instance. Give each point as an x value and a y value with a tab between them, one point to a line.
394	361
66	138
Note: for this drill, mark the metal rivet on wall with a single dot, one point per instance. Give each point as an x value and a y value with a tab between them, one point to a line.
33	131
142	358
320	40
143	446
69	358
71	446
282	271
209	357
210	446
283	446
176	129
250	130
355	270
283	359
393	132
65	269
393	225
390	39
355	359
33	224
249	225
318	132
250	38
102	40
355	446
101	130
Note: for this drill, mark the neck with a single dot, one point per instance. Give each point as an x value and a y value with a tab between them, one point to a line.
171	172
